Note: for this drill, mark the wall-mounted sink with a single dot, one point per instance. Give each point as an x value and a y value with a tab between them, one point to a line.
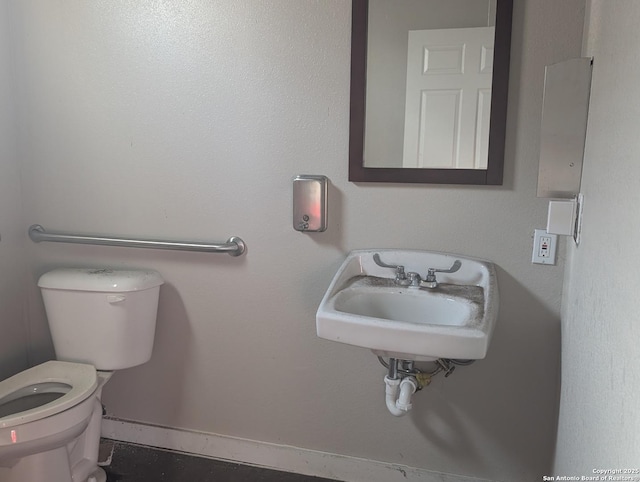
365	305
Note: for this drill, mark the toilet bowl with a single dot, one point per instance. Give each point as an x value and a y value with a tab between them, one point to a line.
50	415
42	411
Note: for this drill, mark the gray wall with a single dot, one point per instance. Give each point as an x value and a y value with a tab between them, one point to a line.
13	332
191	122
599	417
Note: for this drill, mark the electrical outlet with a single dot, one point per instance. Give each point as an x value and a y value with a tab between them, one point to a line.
544	247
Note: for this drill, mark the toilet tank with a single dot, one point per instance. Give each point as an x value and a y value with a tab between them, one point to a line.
103	317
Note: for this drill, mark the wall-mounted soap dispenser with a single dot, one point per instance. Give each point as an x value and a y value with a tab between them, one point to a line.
310	203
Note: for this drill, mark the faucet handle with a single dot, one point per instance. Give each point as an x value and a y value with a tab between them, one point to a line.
431	282
379	262
455	267
401	277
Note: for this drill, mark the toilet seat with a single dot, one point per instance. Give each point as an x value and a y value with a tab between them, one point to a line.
78	380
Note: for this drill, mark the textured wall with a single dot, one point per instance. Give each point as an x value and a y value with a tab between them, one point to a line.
599	418
13	334
189	120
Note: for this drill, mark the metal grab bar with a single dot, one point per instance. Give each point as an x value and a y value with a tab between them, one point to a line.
234	245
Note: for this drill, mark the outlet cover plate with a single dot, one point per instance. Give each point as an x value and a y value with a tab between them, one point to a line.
544	247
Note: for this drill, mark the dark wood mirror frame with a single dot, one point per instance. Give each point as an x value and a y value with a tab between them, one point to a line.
499	92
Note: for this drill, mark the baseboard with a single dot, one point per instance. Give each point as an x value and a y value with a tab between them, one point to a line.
272	456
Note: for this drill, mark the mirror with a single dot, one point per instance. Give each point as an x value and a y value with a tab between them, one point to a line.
428	95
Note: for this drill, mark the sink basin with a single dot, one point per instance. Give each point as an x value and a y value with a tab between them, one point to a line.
403	306
364	306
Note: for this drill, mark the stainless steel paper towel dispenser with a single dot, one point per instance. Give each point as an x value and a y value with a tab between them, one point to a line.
565	107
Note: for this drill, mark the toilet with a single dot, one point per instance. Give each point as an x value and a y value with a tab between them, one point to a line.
100	320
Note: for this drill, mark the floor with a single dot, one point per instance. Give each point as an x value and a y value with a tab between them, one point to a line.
137	463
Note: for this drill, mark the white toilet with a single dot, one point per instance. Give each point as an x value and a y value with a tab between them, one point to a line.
100	320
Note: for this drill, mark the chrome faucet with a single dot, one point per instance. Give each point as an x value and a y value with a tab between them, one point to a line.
414	279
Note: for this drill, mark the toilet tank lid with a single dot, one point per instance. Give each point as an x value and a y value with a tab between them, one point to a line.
101	280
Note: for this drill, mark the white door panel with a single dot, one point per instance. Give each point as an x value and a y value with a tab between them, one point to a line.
448	98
